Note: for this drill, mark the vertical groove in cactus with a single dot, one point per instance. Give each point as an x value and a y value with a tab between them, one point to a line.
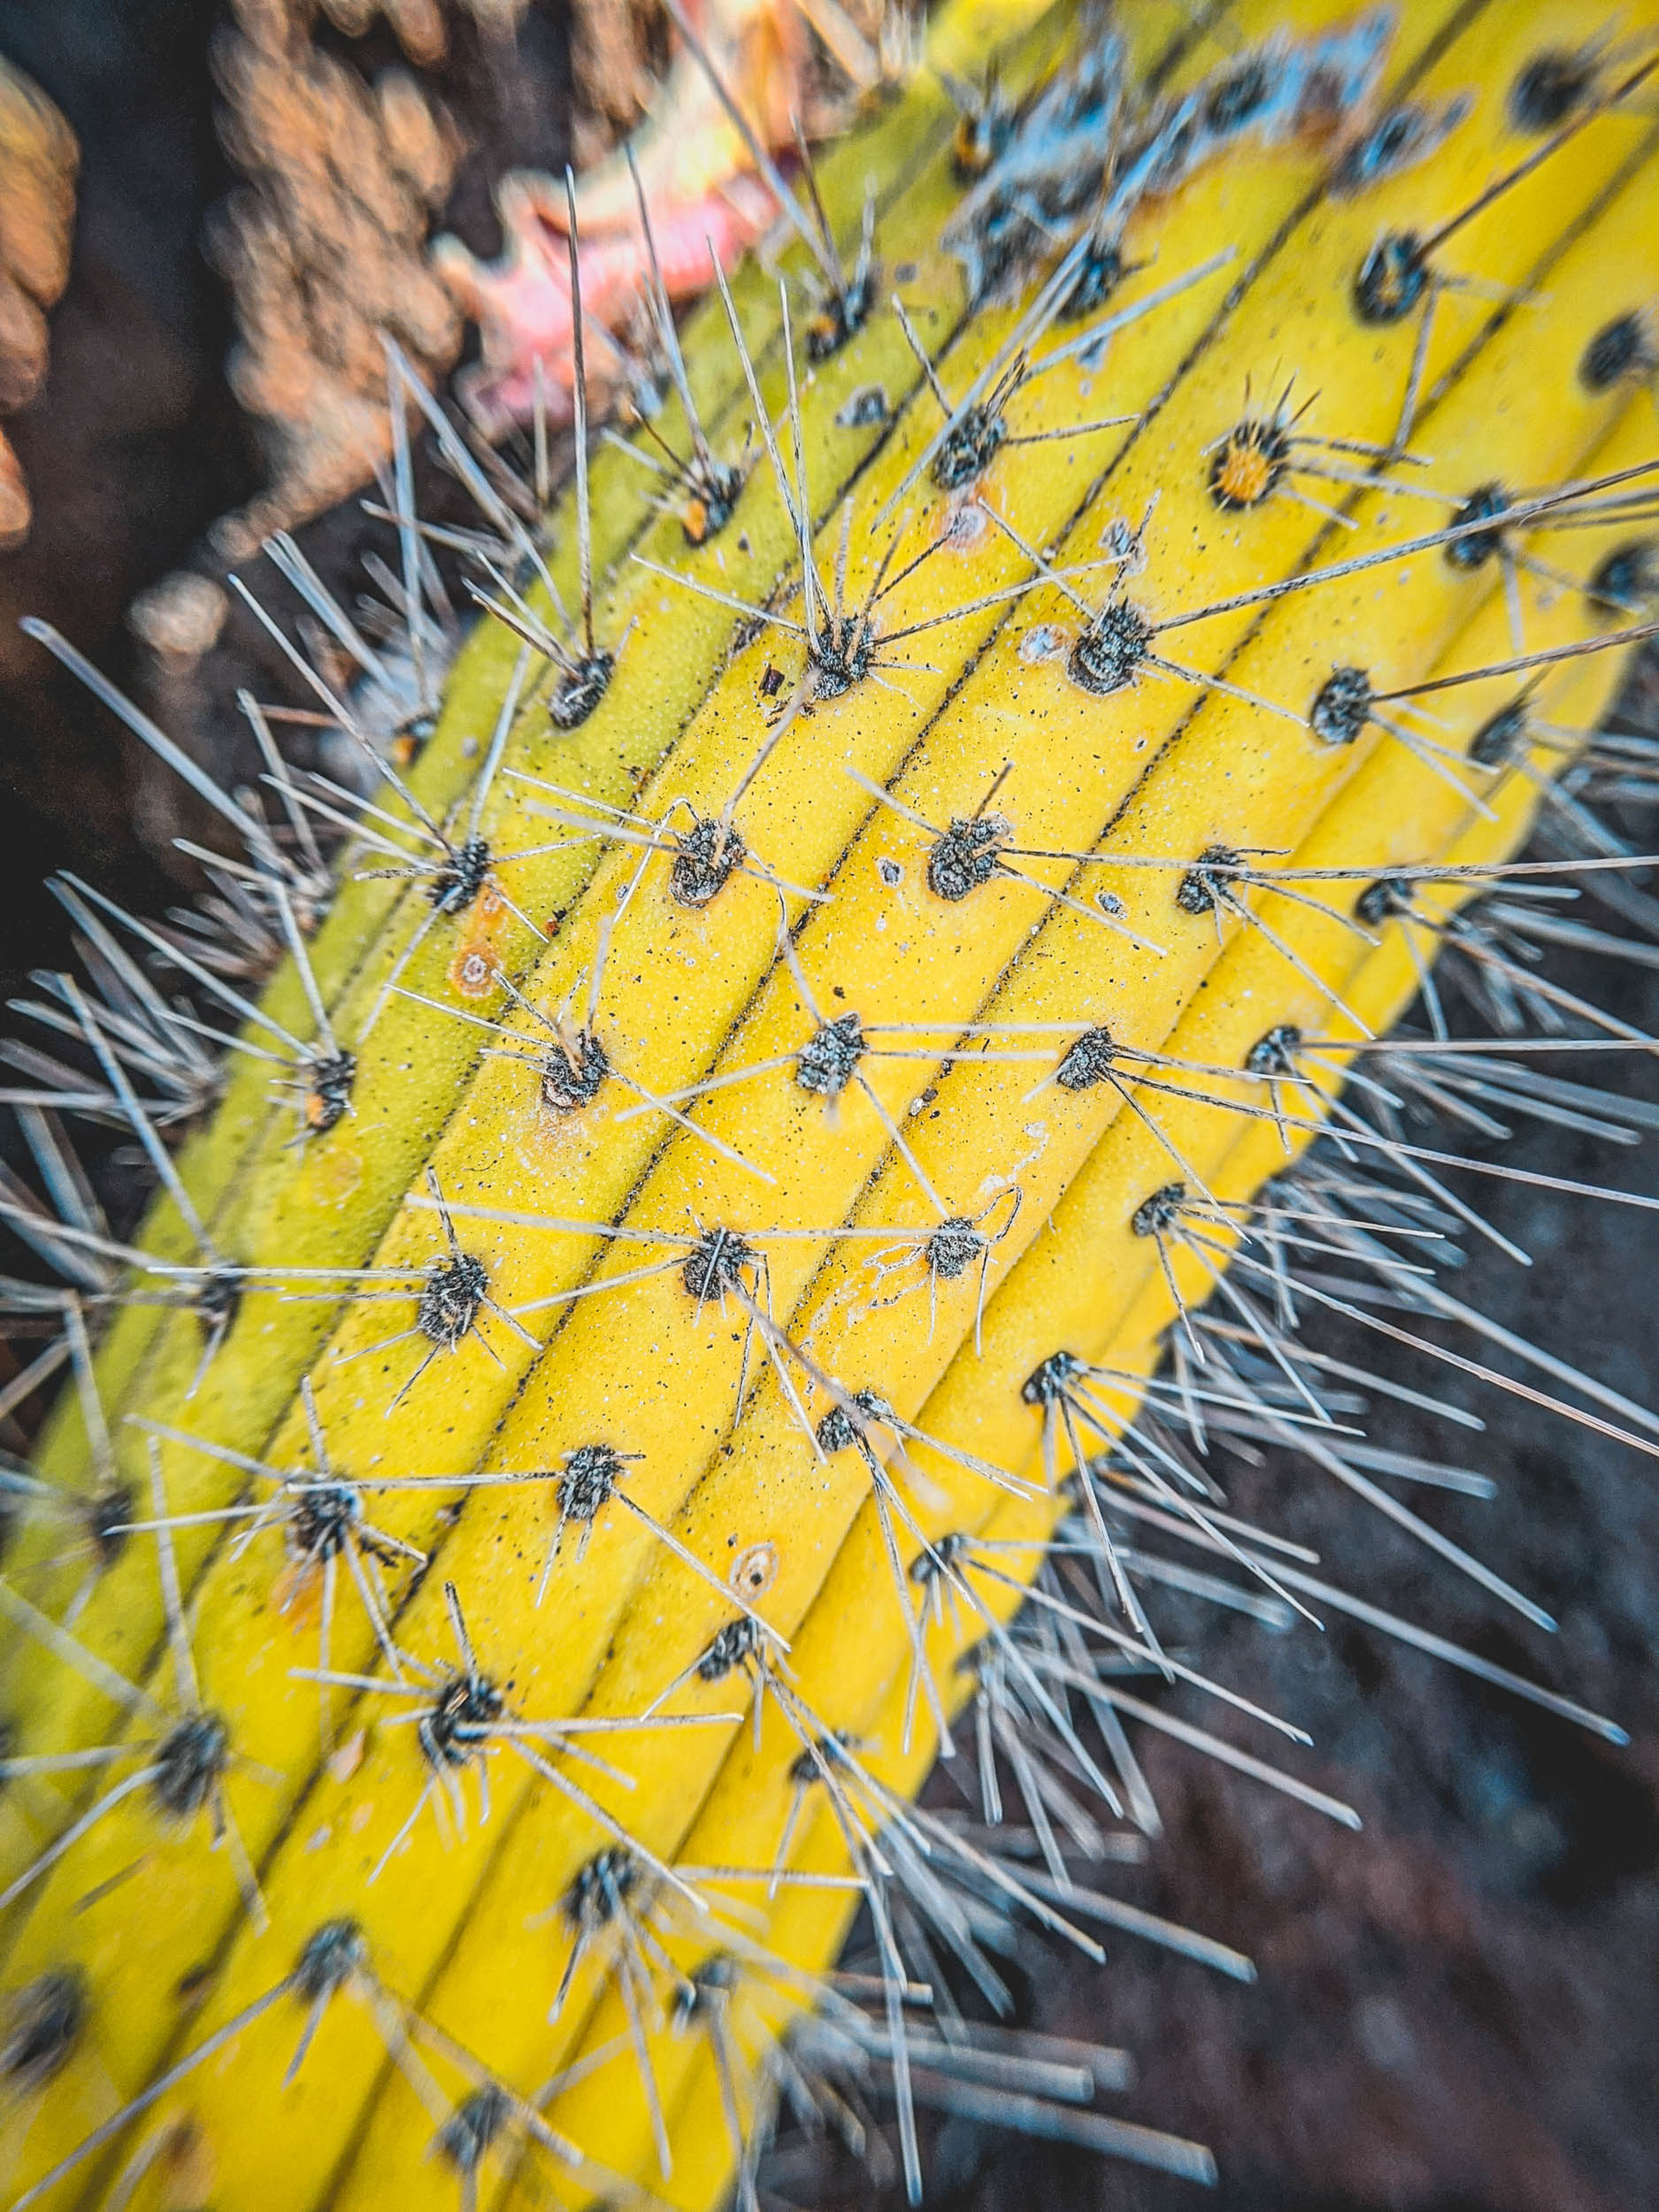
858	1036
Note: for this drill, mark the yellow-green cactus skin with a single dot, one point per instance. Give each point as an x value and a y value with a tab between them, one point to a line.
785	1173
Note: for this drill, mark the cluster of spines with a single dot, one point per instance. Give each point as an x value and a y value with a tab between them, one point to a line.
879	1455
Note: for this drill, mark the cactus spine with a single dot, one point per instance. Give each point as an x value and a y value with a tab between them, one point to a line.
689	1300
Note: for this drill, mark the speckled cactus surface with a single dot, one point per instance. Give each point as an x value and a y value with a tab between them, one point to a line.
778	1146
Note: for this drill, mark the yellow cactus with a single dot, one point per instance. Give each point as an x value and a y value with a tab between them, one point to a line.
785	1112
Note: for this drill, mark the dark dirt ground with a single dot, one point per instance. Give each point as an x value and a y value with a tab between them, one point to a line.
1458	2008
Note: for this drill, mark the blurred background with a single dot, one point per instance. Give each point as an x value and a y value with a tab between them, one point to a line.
208	211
